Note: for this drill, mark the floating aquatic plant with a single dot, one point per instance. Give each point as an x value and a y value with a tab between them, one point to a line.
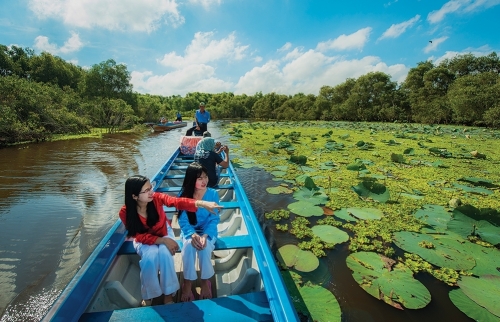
381	278
301	260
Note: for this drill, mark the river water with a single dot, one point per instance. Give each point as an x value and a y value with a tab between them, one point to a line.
58	199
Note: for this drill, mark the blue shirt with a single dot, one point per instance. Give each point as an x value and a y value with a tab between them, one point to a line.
206	222
202	117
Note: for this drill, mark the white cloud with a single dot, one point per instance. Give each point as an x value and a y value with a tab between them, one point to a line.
296	70
460	6
71	45
195	71
397	30
206	3
204	49
194	78
146	15
434	44
355	40
285	47
477	52
309	71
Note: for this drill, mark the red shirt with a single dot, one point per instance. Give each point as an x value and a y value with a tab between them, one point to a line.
160	229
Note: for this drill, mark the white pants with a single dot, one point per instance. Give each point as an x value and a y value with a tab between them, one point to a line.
204	256
154	259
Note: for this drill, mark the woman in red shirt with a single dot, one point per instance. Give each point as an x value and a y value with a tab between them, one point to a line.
145	220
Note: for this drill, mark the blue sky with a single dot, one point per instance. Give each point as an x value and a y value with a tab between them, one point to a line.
173	47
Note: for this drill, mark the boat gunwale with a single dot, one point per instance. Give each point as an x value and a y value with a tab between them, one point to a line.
70	307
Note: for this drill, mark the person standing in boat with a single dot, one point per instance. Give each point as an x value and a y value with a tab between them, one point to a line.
198	231
179	117
206	155
201	118
145	220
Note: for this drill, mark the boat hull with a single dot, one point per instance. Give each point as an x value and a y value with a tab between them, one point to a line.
168	126
247	285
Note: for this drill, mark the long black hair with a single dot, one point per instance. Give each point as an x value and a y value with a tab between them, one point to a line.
133	187
193	172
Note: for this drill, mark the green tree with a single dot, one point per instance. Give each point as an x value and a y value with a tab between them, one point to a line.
371	97
472	95
52	69
108	80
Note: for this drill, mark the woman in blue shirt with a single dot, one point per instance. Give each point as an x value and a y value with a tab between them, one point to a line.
198	232
209	158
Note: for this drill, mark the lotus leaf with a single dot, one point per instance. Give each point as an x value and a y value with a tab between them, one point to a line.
477	181
277	190
447	252
330	234
487	259
316	197
356	166
301	260
373	190
300	159
309	184
485	291
365	213
278	173
409	151
471	308
332	146
305	209
478	190
321	303
398	158
466	226
282	167
435	216
344	214
394	285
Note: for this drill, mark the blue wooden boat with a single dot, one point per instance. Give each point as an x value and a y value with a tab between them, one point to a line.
161	127
247	285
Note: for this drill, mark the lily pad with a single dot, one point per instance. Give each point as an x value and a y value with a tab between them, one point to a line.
330	234
344	214
316	197
471	308
487	259
321	303
356	166
298	159
435	216
466	226
394	284
301	260
372	190
477	190
398	158
365	213
477	181
305	209
278	173
278	190
445	252
485	291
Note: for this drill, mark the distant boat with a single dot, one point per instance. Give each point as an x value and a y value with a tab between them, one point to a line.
247	285
160	127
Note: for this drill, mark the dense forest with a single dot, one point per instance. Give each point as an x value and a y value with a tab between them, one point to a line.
42	95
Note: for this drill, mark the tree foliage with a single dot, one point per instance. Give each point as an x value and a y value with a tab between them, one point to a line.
41	95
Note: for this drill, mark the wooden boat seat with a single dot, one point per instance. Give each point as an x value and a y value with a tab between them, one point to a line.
244	307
